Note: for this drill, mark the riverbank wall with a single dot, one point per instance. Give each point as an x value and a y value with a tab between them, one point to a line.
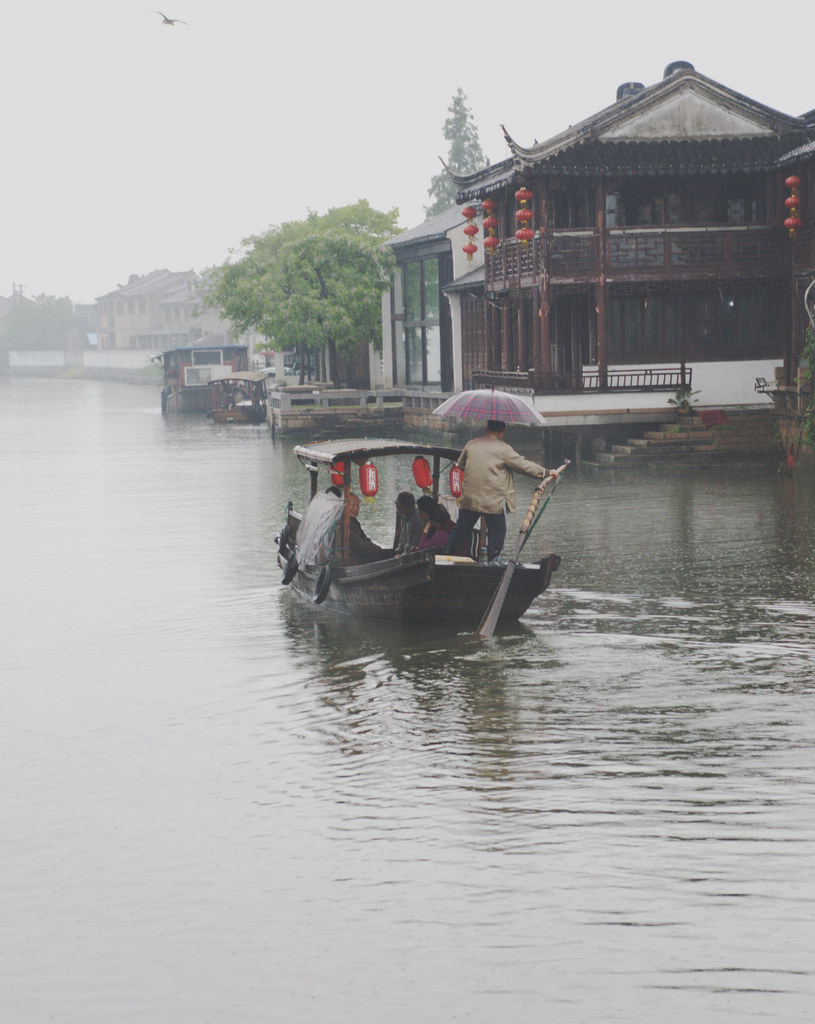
613	438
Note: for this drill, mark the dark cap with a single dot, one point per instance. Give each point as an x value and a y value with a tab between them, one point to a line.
406	500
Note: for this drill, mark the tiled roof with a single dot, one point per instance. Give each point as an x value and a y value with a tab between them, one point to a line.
434	227
684	156
801	154
475	279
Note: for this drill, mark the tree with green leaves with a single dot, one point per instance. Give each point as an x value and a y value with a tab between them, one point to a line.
312	284
45	322
464	155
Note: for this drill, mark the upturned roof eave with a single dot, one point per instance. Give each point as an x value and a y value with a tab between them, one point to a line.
590	128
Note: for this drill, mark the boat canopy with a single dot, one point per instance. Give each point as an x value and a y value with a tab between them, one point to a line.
357	449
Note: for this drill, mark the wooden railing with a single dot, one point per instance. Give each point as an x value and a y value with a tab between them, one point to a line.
663	379
735	251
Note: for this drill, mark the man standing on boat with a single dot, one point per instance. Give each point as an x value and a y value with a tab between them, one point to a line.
488	489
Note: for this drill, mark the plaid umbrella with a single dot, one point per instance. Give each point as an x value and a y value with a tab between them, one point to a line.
489	404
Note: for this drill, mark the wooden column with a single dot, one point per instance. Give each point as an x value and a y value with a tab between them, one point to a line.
522	351
601	289
506	338
490	331
543	348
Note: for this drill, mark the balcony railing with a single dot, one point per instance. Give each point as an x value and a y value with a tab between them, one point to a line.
735	251
590	382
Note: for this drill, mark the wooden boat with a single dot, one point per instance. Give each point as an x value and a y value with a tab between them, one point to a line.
419	586
238	398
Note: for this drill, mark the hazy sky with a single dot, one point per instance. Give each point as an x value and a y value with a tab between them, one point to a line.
129	145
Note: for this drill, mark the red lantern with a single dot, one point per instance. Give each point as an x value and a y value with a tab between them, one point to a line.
793	181
368	480
422	474
488	205
491	242
791	202
338	473
793	224
524	214
456	481
490	223
524	236
470	213
523	195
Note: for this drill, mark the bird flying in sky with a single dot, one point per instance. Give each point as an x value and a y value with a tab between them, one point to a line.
171	21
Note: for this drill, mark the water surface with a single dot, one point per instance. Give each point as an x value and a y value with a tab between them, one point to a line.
223	805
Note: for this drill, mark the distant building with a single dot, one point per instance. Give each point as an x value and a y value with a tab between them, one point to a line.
159	311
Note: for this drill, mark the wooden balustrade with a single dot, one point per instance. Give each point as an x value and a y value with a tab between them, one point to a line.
736	252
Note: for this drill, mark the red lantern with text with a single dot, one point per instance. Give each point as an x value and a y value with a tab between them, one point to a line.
469	213
368	480
422	474
338	473
792	202
456	481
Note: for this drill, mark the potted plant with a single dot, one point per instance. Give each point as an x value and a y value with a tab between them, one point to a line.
684	400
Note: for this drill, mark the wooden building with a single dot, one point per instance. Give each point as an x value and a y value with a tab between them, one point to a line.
645	247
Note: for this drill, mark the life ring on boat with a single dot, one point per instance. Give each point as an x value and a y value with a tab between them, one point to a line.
283	539
323	584
290	570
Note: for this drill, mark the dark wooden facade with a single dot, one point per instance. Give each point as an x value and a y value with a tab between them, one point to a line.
652	247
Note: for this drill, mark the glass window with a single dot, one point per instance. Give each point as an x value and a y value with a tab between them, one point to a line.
433	354
414	355
431	289
399	368
207	357
398	295
413	291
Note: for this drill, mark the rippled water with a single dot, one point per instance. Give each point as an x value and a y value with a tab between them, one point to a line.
223	805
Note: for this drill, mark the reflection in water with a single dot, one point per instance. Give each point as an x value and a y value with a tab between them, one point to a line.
221	798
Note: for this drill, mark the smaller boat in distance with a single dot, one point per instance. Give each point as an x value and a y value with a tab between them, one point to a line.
422	585
238	398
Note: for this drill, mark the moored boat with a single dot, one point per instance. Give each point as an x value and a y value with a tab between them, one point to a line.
422	585
238	398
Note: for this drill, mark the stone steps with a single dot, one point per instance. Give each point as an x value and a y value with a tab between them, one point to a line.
744	436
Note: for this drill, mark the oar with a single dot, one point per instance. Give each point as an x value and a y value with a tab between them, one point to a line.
487	625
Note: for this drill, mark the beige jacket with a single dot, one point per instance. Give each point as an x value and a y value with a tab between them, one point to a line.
488	463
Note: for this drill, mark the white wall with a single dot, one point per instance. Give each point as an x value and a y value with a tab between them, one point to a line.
718	384
35	359
118	359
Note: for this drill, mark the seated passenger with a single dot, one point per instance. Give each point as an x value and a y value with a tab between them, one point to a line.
437	530
409	525
361	548
424	505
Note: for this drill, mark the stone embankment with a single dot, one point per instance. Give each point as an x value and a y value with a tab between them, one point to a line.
709	437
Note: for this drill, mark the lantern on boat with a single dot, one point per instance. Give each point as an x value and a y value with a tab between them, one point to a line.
422	474
469	213
793	221
368	480
456	481
338	473
524	216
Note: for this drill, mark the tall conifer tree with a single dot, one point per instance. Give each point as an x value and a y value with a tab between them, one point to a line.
464	156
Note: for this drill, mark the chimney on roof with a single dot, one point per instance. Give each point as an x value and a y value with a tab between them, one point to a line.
677	65
628	89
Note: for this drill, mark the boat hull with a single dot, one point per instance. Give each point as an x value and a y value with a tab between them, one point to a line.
420	587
